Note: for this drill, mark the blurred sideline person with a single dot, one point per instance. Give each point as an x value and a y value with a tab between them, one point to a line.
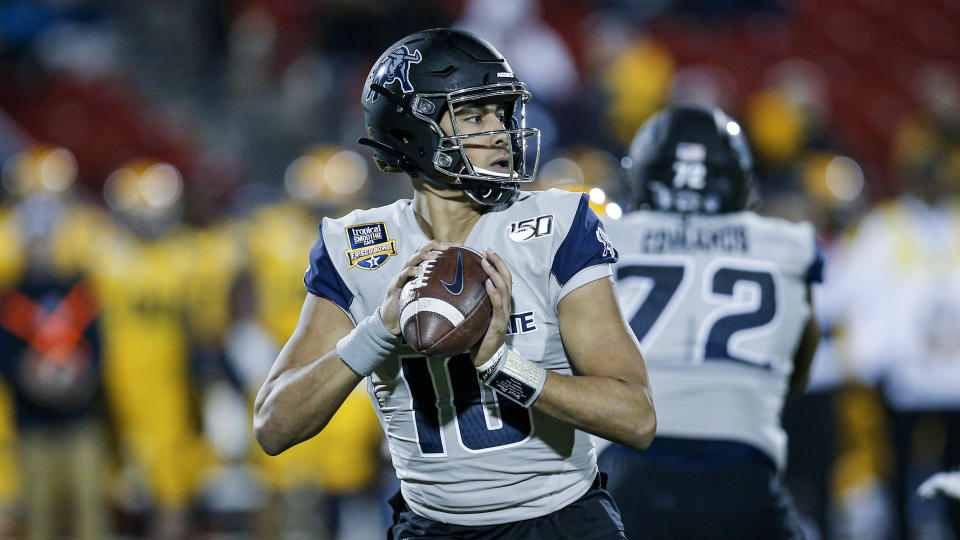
226	494
821	477
719	298
444	107
51	358
339	469
11	268
142	274
904	316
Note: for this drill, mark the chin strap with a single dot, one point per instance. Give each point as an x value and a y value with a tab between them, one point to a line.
377	145
441	184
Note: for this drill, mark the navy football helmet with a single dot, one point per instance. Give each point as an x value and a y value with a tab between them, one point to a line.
691	159
426	74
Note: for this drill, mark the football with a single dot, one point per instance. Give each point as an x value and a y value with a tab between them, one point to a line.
445	309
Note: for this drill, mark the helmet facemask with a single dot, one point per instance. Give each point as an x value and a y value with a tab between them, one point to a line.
479	181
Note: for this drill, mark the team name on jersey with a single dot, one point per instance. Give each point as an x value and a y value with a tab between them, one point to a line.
370	246
522	323
732	239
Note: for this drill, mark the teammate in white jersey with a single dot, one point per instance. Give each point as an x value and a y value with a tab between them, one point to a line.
444	107
719	298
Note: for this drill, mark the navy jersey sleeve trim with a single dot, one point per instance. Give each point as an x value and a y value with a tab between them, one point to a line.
586	245
815	270
322	278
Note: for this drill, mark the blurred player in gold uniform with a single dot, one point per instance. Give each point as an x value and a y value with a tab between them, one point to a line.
344	459
143	279
11	262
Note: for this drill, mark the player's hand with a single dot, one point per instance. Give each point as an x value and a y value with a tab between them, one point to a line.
941	484
390	308
499	286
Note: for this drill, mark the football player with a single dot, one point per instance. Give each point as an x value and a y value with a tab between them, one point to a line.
444	107
279	237
143	273
903	313
719	298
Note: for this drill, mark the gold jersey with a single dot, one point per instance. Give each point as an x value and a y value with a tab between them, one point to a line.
11	267
278	240
215	257
141	285
11	249
344	457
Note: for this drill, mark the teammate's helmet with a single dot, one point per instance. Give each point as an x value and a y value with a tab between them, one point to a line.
691	159
426	74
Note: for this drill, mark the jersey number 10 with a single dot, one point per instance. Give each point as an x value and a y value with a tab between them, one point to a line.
480	427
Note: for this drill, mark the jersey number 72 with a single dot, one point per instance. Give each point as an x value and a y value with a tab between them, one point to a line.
648	315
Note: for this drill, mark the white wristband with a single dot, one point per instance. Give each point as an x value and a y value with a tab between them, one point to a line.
514	377
497	356
367	345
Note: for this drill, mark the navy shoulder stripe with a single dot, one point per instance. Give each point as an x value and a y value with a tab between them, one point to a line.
815	270
586	245
322	278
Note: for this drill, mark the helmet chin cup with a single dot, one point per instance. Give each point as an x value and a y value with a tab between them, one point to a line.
490	193
484	172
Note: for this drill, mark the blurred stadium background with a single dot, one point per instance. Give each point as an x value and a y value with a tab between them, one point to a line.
165	164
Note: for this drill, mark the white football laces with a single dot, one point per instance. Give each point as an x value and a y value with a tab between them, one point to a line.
426	267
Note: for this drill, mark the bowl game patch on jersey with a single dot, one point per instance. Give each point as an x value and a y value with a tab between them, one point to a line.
370	246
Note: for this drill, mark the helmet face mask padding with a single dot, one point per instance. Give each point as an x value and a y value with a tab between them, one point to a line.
432	73
692	159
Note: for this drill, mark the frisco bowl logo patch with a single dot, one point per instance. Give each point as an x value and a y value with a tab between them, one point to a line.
370	246
395	67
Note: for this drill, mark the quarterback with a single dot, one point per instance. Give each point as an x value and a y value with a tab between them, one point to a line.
444	107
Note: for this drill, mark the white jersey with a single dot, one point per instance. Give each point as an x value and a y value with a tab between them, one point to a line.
462	454
903	317
719	306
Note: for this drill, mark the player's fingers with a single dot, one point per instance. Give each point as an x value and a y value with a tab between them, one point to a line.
429	251
497	302
501	281
498	280
499	265
405	275
497	262
434	246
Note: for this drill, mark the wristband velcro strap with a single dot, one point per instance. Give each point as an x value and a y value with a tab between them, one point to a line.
515	377
367	345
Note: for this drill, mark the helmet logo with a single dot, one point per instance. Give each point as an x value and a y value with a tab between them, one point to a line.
689	169
691	151
395	67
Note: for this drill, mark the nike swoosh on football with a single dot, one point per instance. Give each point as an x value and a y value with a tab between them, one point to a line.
456	287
